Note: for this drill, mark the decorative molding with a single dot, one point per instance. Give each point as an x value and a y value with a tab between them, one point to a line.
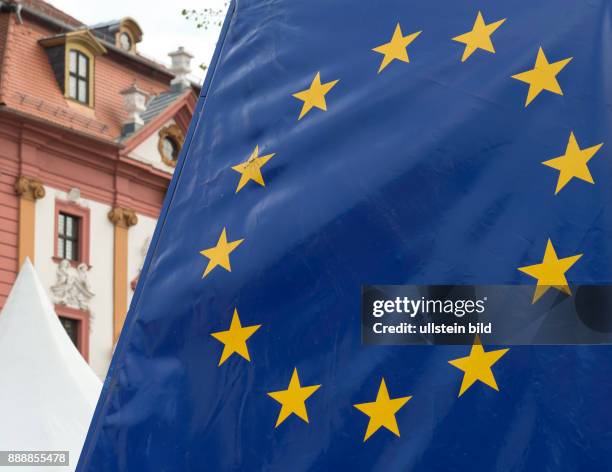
174	133
72	287
97	164
123	217
130	25
83	38
29	188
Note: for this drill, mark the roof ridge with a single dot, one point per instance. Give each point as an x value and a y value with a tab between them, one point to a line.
48	9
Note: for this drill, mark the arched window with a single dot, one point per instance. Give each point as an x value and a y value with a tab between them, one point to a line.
125	42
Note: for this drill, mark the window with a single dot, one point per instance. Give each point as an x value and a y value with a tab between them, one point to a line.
78	82
71	233
72	56
125	41
76	324
68	237
169	145
72	329
170	149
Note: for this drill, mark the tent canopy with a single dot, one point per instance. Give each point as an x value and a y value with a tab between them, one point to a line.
47	390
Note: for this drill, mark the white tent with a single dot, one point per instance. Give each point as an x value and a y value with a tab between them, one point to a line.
47	390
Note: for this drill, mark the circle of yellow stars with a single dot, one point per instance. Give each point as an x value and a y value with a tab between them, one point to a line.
550	273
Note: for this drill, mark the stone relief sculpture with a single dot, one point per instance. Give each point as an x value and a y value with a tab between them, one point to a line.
62	283
72	287
81	287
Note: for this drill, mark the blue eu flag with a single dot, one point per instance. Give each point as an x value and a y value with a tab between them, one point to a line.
343	143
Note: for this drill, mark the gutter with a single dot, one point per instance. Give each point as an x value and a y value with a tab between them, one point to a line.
31	118
12	8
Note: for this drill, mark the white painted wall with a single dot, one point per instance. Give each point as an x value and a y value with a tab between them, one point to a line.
101	260
138	238
100	274
148	151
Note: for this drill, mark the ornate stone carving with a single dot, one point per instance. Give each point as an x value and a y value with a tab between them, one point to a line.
62	283
72	286
29	188
123	217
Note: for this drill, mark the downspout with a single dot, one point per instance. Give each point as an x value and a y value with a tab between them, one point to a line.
16	8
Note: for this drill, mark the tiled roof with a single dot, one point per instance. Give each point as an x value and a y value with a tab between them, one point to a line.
28	85
101	30
159	103
51	11
106	31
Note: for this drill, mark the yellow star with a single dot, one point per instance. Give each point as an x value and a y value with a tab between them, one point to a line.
396	48
219	255
251	169
382	411
479	37
314	96
543	76
293	400
573	163
550	272
235	338
477	366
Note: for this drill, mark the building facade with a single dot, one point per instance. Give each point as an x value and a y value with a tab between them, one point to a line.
90	131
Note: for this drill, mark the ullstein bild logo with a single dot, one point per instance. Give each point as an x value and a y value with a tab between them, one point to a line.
500	314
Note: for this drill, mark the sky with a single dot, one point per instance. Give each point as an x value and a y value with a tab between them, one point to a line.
164	28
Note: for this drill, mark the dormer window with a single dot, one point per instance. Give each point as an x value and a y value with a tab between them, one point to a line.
72	57
125	41
127	34
79	77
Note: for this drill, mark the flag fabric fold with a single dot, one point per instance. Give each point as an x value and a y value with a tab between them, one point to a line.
339	144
